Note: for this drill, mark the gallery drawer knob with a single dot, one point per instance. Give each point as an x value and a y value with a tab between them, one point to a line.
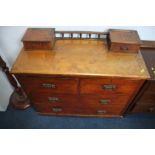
57	109
101	111
105	101
49	85
109	87
124	48
53	99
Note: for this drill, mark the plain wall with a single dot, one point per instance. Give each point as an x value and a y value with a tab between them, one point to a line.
10	45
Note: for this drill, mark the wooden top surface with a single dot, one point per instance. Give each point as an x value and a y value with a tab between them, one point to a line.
38	34
124	36
80	57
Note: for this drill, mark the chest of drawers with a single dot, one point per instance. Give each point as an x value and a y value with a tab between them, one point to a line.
80	78
145	100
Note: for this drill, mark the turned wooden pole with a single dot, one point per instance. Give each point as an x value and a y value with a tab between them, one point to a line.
18	99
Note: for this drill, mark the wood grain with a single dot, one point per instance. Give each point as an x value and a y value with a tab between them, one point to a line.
80	57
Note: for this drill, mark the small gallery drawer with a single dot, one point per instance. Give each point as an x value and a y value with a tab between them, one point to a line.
62	85
55	110
55	99
124	40
106	86
118	47
104	100
150	108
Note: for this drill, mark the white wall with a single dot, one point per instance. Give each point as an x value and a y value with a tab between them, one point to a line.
10	45
5	88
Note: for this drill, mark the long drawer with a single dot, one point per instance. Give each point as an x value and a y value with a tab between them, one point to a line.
100	101
63	85
77	111
104	111
108	86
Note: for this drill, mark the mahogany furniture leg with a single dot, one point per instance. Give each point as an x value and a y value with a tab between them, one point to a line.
18	99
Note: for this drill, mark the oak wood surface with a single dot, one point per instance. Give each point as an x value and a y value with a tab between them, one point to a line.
80	57
69	79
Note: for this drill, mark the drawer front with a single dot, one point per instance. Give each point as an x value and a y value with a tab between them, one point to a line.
55	110
104	100
55	99
107	86
85	111
28	45
150	108
118	47
49	84
96	111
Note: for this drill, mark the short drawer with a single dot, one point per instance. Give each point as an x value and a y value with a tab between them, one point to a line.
100	101
55	99
118	47
61	110
107	86
62	85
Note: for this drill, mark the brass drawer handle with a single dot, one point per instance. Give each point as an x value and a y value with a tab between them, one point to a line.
109	87
105	101
101	111
57	109
53	99
49	85
124	48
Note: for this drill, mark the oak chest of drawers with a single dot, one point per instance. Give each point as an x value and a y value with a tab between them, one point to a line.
80	78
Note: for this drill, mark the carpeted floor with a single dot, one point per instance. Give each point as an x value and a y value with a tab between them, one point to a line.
29	119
